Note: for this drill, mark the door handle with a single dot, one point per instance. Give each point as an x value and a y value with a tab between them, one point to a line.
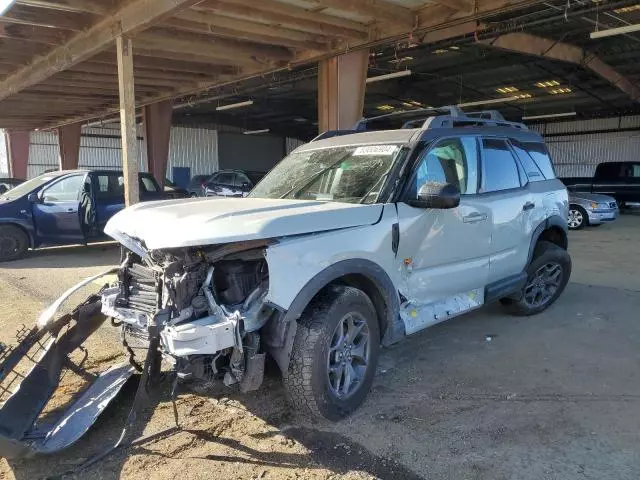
528	206
474	217
72	210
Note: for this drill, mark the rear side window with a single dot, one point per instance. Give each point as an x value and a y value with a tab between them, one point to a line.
147	184
531	169
110	185
499	167
540	155
225	178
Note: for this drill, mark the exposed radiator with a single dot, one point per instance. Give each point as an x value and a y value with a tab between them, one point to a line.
139	292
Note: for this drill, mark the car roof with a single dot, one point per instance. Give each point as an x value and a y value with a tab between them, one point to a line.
362	138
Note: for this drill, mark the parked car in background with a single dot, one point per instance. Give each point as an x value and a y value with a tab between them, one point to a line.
621	180
63	208
590	209
197	185
8	183
232	183
174	191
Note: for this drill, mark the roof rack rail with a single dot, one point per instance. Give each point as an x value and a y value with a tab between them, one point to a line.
449	110
487	115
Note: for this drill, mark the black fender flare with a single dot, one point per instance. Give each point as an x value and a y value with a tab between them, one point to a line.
280	331
552	221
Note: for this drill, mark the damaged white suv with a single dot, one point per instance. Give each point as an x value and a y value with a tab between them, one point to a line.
351	242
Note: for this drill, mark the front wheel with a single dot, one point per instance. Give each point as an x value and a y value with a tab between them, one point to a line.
547	276
578	217
14	243
335	353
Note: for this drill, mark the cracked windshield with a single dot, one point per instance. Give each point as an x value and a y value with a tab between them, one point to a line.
353	174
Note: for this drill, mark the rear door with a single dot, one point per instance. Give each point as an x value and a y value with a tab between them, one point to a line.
224	185
511	204
109	195
57	215
243	184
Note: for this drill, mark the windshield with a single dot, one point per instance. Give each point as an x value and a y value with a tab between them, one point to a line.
28	186
352	174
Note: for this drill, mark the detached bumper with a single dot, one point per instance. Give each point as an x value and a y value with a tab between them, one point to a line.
597	217
30	373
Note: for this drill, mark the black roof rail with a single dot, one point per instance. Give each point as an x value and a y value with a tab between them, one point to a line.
486	114
412	115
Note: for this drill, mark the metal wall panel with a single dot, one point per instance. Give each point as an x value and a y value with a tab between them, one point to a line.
4	156
292	143
196	148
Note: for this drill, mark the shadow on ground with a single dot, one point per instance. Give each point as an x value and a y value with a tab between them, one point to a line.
74	256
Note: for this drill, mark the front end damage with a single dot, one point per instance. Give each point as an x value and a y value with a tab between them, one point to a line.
197	313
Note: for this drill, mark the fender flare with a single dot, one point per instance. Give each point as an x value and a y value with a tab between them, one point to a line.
284	326
552	221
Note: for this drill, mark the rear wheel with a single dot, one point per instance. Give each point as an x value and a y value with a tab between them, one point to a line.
578	217
335	353
547	276
14	243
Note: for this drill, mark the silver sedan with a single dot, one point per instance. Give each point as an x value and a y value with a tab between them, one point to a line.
590	209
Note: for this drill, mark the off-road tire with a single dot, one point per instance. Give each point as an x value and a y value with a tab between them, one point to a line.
306	381
544	253
585	217
14	243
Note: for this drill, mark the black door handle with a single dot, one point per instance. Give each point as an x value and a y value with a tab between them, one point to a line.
528	206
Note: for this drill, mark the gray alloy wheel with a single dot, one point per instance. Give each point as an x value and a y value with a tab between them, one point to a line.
543	285
577	218
348	356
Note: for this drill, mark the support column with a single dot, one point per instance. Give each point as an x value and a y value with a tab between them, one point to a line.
157	130
18	150
124	49
69	146
341	87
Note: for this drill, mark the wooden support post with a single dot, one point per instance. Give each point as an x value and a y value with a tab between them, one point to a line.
341	87
69	146
157	130
124	49
18	150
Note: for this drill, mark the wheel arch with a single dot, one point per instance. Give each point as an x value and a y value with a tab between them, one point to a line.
554	229
362	274
20	227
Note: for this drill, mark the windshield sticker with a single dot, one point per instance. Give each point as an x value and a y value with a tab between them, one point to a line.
375	150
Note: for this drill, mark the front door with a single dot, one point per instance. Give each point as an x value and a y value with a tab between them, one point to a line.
444	254
57	215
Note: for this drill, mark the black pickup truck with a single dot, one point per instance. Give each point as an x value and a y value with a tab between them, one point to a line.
620	180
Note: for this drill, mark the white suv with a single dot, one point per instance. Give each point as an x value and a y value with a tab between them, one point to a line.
353	241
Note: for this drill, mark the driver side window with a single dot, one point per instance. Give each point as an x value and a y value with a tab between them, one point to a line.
452	160
66	190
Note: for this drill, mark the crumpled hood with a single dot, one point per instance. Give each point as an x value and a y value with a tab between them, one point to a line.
205	221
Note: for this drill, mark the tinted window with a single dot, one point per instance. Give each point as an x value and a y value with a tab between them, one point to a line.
241	179
635	170
451	161
110	185
540	155
530	167
224	178
66	190
147	184
499	169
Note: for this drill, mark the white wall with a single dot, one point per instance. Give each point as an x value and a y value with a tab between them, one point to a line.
4	156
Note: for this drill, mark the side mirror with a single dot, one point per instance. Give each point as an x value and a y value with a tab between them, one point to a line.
245	185
436	195
33	197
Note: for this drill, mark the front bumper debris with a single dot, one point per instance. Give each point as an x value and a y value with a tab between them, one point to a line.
31	372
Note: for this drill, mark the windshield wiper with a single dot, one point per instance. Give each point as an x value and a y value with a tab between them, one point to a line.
309	180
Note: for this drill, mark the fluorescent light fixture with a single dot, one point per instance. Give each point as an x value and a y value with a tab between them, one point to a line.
389	76
549	115
385	108
488	101
440	51
256	132
400	60
629	9
233	105
559	91
548	83
610	32
5	5
507	89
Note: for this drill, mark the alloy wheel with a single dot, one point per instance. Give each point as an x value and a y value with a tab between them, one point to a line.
575	218
543	285
349	354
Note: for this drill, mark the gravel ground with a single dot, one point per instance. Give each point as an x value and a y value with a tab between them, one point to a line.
555	396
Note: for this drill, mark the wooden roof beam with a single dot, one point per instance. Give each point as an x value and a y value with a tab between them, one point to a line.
164	64
456	5
28	15
32	33
546	48
382	11
279	14
133	17
101	7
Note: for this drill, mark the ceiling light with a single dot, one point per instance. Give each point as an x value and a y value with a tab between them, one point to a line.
506	90
549	115
522	96
547	84
615	31
559	91
234	105
488	101
454	47
388	76
256	132
400	60
440	51
385	108
5	5
299	119
630	8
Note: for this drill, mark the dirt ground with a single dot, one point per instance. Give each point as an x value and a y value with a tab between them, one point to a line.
555	396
